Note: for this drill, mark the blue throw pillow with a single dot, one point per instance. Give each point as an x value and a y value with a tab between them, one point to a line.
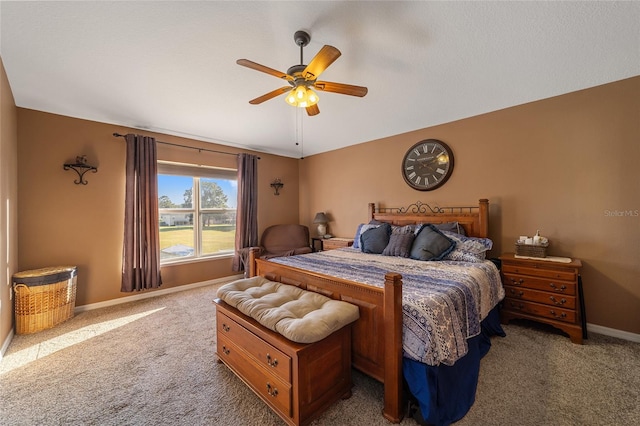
375	240
431	244
361	228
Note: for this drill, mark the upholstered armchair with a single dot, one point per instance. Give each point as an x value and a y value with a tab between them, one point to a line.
279	241
284	240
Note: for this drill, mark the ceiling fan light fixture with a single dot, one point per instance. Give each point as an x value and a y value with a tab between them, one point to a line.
301	93
304	77
302	97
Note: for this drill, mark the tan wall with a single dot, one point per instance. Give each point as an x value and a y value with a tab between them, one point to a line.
558	165
66	224
8	202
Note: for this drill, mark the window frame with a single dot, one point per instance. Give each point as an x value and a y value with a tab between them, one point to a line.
196	173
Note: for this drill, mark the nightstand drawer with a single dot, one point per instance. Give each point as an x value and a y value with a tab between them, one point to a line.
542	271
556	286
536	309
560	300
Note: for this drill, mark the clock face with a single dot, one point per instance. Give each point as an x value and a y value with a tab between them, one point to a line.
427	165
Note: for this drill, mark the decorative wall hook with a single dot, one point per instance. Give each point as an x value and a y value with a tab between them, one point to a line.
277	185
80	167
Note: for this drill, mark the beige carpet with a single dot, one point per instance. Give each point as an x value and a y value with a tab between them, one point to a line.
152	362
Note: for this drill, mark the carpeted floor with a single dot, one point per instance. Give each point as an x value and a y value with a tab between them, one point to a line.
152	362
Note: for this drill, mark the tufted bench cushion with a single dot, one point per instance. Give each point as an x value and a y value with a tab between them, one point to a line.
299	315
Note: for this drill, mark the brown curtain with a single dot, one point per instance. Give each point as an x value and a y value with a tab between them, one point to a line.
141	249
247	210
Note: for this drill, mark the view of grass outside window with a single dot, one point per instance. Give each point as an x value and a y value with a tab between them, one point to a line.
193	227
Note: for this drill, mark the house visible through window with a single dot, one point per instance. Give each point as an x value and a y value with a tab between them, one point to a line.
196	226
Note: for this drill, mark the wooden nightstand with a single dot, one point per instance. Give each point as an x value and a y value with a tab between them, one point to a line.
335	243
544	291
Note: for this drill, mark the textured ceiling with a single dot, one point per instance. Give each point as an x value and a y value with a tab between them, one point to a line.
170	66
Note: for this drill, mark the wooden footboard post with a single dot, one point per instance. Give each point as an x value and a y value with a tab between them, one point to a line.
393	400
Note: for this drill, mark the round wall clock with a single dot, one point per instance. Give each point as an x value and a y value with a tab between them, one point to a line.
427	165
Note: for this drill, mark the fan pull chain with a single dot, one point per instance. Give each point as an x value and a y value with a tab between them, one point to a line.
299	131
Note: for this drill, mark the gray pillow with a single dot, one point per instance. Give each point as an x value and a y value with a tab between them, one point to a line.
406	229
375	240
451	227
399	245
431	244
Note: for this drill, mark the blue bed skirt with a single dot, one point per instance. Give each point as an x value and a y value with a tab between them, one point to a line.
446	393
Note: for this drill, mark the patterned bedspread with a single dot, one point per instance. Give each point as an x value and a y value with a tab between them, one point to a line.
443	302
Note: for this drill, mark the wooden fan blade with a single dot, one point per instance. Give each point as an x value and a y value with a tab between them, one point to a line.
325	57
270	95
313	110
255	66
344	89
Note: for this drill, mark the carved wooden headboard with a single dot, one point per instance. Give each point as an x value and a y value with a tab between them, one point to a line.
474	219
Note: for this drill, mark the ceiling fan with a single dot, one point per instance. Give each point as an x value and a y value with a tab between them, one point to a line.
303	79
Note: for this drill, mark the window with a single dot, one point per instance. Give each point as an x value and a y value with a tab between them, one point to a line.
201	226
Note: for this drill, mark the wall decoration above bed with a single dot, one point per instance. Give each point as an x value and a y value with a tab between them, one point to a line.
427	165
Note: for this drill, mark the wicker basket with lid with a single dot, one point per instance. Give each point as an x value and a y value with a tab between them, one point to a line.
44	297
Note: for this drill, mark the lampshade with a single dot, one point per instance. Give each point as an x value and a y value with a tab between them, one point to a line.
320	218
302	97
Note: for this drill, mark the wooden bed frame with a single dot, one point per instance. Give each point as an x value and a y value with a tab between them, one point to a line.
377	335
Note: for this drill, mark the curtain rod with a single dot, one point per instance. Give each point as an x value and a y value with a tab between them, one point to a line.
118	135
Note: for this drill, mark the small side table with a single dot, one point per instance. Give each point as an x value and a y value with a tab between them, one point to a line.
544	291
320	244
337	242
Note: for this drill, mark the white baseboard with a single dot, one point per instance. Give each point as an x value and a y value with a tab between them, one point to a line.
6	343
154	293
612	332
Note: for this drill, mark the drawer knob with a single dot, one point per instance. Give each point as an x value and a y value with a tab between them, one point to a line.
561	302
518	306
225	327
225	350
555	315
517	293
273	362
556	288
272	390
517	282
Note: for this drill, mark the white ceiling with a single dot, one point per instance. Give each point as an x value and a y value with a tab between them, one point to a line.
171	66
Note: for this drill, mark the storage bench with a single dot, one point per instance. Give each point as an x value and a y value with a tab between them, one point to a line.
298	381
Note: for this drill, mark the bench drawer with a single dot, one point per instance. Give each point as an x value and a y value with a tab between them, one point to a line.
264	354
271	388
